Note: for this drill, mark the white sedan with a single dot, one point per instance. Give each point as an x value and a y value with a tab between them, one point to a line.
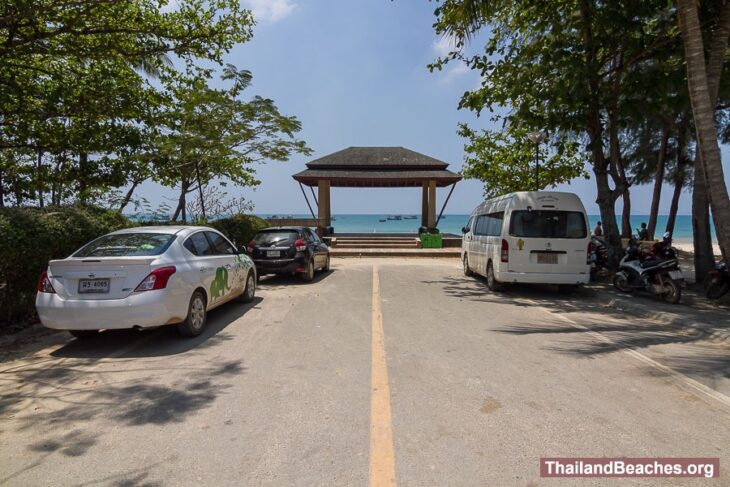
144	277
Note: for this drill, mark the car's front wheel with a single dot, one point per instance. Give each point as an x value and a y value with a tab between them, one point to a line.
83	334
250	291
196	318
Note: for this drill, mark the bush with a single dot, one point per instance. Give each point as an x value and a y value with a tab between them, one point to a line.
30	237
240	229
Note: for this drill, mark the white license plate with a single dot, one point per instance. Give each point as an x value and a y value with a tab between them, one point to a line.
676	275
273	253
547	258
93	286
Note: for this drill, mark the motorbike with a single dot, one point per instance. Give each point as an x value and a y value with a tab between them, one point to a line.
599	256
656	272
717	282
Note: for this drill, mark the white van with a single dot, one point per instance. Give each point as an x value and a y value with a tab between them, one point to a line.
539	237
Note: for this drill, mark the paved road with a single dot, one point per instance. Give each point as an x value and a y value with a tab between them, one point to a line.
293	390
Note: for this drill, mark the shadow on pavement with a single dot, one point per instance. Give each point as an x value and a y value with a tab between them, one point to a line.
698	338
280	281
156	342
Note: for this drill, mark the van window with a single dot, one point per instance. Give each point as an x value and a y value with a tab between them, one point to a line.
548	224
489	225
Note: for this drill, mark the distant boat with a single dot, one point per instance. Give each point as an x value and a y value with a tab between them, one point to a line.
410	217
396	217
381	221
333	219
289	217
274	217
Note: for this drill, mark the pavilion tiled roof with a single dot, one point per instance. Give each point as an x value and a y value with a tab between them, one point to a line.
377	167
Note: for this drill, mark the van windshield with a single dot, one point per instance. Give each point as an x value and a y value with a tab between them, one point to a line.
548	224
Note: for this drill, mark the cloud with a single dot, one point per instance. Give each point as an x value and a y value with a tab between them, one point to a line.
442	47
270	10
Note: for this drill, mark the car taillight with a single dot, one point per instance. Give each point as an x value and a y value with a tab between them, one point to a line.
301	245
251	245
156	279
44	284
589	254
505	251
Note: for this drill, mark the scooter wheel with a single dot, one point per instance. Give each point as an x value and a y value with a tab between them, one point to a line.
672	292
717	288
621	283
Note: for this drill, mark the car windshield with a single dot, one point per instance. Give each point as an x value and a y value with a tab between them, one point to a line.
548	224
276	237
127	245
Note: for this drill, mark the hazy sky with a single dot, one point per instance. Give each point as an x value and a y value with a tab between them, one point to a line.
354	72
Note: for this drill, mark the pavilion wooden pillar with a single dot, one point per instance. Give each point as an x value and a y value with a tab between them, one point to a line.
323	210
431	204
424	204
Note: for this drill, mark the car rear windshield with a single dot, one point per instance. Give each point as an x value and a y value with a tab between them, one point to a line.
548	224
276	238
127	245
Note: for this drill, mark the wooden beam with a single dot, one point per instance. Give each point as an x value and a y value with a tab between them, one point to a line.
325	215
431	204
424	204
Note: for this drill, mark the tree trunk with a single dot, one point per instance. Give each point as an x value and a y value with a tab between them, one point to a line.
704	259
2	189
674	207
626	230
83	172
680	174
658	182
703	111
128	196
180	210
39	175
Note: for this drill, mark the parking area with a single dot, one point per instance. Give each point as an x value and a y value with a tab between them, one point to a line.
381	370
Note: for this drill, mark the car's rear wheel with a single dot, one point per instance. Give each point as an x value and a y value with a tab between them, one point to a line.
326	267
250	291
196	318
83	334
492	283
308	273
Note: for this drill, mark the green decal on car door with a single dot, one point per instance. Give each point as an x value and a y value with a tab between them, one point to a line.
219	286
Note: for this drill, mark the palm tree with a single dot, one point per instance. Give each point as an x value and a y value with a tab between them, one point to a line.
702	98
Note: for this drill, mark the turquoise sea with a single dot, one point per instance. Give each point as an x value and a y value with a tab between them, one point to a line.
453	223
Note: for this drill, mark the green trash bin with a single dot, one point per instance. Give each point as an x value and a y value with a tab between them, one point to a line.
431	241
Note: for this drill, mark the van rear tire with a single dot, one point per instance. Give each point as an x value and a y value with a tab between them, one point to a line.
492	283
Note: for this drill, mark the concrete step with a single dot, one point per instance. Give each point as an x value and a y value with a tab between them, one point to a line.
381	245
371	252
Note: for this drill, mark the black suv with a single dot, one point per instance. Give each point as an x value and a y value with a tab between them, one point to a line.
289	250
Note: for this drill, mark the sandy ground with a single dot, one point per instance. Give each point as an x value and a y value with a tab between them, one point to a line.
689	247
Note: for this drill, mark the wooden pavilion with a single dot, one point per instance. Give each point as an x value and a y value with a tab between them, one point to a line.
377	167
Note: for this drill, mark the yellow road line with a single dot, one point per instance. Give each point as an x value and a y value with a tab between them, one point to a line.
382	455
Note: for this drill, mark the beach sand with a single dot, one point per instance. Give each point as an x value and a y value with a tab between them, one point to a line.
689	247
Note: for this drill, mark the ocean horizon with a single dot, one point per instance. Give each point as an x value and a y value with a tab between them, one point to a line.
452	223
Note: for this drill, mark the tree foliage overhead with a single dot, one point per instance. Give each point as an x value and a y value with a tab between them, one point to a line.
505	161
608	75
104	94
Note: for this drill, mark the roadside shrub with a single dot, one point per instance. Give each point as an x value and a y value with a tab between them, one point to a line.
29	238
240	229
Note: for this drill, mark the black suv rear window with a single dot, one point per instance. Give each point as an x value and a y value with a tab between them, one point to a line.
272	238
127	245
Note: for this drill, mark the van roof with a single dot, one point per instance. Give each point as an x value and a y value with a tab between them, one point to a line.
530	197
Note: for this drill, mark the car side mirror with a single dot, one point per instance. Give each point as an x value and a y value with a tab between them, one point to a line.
243	250
464	229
